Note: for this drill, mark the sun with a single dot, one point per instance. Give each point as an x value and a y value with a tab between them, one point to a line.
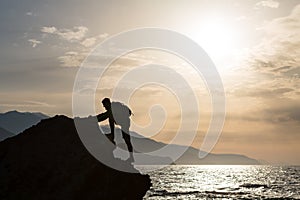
218	38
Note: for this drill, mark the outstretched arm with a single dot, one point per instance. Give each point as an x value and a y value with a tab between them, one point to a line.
107	115
102	116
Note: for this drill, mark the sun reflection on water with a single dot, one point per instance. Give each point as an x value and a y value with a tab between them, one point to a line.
224	181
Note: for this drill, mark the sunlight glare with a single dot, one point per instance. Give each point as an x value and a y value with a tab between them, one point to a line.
217	37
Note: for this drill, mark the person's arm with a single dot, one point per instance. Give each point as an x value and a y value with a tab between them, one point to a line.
102	116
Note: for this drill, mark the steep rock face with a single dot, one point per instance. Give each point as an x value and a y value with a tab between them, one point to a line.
48	161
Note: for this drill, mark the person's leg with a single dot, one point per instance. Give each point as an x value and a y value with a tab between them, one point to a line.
126	137
125	124
112	129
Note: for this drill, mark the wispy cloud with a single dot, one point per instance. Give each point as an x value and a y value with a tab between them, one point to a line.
27	104
71	59
34	42
75	34
288	111
279	50
279	113
78	36
91	41
103	35
262	92
88	42
267	3
48	29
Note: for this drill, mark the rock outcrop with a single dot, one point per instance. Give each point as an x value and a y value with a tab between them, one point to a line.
49	161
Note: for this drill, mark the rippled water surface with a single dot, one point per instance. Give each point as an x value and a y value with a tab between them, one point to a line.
219	181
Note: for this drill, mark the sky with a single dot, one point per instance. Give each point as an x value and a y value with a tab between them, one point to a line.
254	44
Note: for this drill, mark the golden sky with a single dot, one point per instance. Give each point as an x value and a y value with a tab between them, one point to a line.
254	44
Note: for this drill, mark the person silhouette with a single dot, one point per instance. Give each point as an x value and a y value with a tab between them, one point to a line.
119	114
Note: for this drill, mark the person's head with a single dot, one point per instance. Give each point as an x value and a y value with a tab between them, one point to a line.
106	103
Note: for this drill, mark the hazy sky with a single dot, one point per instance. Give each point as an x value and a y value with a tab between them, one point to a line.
254	44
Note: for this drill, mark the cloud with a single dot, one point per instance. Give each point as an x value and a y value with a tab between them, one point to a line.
26	104
267	3
75	58
103	35
75	34
89	42
262	93
48	29
78	37
279	50
34	42
282	69
71	59
279	112
283	110
81	41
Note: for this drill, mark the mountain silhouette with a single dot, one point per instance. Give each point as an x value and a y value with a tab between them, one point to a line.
49	161
5	134
190	156
16	122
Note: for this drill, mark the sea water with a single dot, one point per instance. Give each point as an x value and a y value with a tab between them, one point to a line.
224	182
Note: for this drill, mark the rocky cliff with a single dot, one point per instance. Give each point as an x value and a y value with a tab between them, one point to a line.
48	161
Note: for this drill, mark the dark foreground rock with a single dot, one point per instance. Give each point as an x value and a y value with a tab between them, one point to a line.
5	134
48	161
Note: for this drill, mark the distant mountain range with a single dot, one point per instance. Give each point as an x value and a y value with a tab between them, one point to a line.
16	122
189	157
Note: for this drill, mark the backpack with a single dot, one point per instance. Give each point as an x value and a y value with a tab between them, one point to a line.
120	112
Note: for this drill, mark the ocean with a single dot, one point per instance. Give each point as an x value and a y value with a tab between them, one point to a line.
223	182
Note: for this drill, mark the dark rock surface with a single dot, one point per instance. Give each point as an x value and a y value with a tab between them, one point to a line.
48	161
5	134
